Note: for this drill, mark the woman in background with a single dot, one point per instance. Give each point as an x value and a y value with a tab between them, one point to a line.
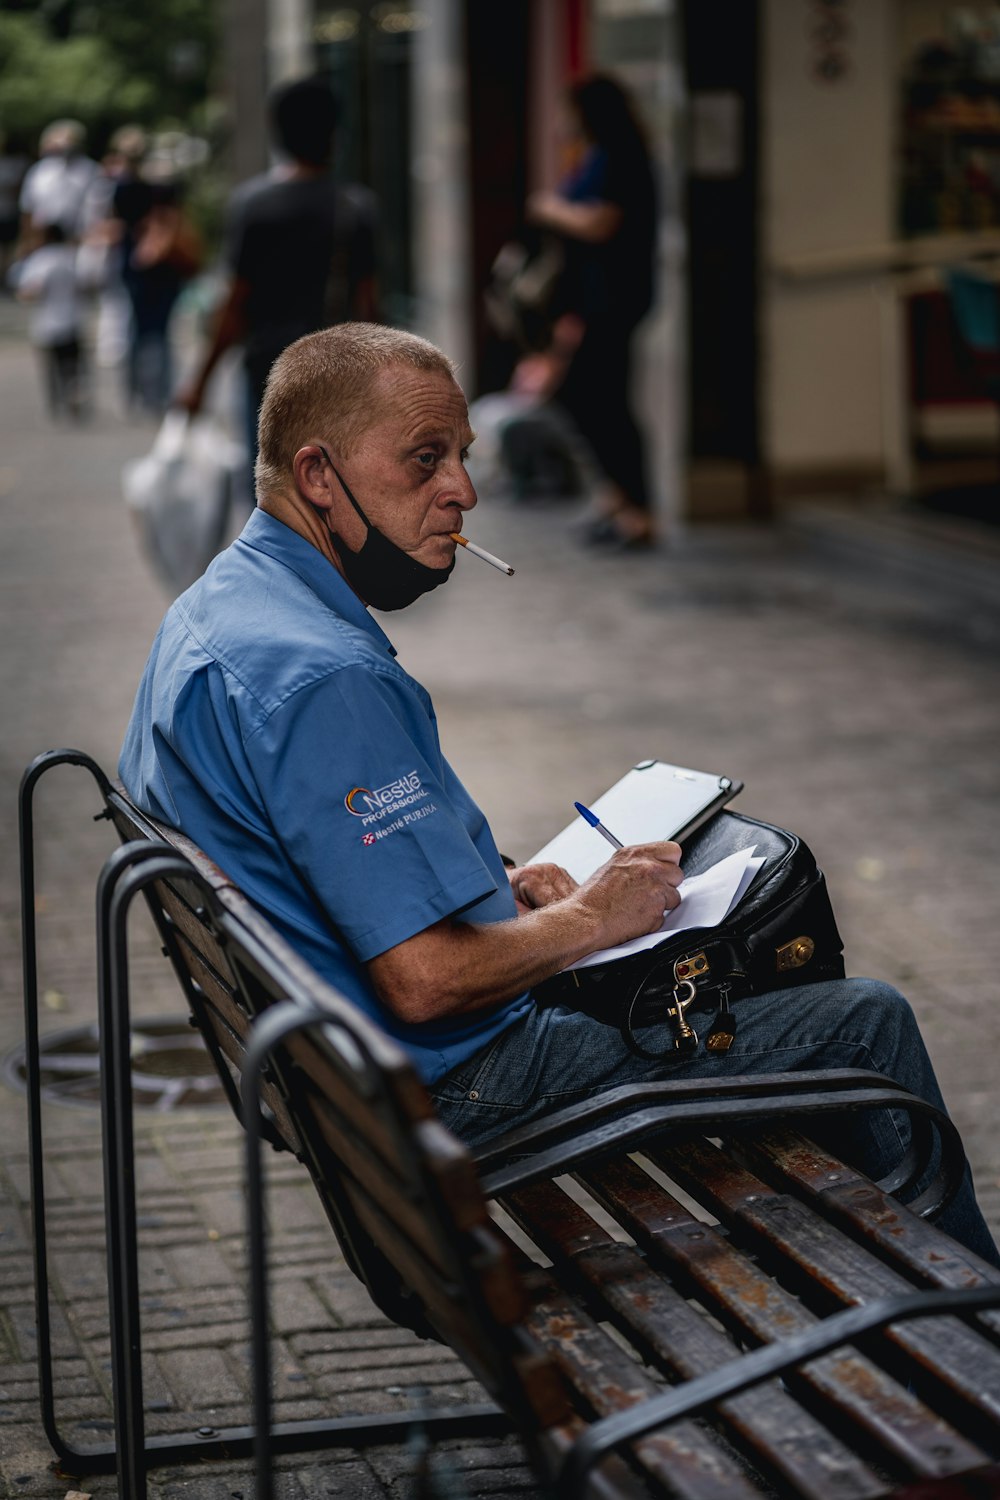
605	212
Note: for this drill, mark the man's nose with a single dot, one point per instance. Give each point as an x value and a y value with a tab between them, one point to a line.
462	492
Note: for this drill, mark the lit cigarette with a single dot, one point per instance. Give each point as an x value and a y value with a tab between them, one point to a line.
482	552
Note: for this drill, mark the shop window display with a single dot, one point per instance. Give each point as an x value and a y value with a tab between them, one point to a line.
951	132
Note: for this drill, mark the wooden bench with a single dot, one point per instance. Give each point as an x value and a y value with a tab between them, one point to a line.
798	1332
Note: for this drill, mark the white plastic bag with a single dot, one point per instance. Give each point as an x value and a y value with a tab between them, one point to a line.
180	494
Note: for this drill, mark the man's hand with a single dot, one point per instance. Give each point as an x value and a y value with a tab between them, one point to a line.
539	885
456	967
628	896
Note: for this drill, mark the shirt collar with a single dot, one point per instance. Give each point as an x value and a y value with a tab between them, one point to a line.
266	534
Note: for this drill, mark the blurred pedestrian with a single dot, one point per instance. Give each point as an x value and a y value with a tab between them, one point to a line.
299	249
605	213
56	188
162	251
112	213
48	278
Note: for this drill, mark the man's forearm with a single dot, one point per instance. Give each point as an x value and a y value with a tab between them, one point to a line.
229	329
594	223
457	966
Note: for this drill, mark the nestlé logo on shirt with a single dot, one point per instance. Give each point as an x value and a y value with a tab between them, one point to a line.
396	796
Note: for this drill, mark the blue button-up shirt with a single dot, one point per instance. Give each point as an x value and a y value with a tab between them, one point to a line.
274	726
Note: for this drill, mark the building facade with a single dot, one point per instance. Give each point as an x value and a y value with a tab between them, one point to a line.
821	163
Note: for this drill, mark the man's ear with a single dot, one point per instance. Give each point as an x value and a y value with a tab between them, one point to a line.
313	476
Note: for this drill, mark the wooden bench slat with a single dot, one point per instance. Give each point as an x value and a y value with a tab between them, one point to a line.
683	1460
216	1007
874	1406
353	1113
767	1422
533	1394
826	1267
367	1177
133	824
391	1209
191	929
286	968
791	1162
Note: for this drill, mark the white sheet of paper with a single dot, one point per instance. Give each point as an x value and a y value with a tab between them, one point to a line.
706	900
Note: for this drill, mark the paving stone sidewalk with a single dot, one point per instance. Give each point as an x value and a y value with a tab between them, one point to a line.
859	705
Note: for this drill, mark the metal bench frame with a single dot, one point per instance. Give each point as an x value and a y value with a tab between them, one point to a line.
583	1132
128	871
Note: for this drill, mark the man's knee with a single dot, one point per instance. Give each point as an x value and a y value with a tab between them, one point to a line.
876	999
866	1014
876	1016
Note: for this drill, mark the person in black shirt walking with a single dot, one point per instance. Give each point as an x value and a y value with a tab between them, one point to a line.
299	247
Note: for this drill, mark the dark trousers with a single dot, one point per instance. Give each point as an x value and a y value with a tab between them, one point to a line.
150	369
597	394
64	372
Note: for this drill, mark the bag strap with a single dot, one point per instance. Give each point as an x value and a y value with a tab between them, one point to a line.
684	979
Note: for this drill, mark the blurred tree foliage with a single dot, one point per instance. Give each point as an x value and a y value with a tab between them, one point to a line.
105	62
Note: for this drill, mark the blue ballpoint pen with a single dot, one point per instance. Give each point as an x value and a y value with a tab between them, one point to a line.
596	824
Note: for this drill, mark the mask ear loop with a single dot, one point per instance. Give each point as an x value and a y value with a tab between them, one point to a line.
344	485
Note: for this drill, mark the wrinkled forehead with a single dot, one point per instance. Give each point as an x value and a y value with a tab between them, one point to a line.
407	403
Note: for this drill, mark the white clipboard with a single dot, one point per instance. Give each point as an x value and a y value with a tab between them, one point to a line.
653	801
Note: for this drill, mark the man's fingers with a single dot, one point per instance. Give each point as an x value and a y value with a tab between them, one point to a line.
667	852
540	885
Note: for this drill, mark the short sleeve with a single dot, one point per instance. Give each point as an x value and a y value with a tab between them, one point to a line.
590	182
352	777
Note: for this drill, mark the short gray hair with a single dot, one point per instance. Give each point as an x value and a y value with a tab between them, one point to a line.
322	383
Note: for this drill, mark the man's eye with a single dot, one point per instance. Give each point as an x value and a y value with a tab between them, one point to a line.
465	455
427	459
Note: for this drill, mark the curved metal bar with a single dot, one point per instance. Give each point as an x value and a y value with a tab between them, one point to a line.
714	1114
124	875
753	1369
273	1027
568	1120
29	960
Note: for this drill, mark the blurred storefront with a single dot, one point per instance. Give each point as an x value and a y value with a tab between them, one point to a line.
823	165
451	116
880	182
842	167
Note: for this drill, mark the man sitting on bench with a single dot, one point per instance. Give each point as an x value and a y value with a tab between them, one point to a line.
275	727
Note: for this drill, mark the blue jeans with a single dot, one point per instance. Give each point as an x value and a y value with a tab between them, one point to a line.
556	1056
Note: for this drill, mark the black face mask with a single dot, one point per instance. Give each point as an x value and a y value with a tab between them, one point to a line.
382	573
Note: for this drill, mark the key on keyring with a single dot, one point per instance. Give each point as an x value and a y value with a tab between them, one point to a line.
723	1032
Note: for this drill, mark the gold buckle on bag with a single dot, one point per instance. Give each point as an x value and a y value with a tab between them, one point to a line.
691	967
795	953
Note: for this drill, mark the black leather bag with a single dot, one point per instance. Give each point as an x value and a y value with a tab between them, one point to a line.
782	934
